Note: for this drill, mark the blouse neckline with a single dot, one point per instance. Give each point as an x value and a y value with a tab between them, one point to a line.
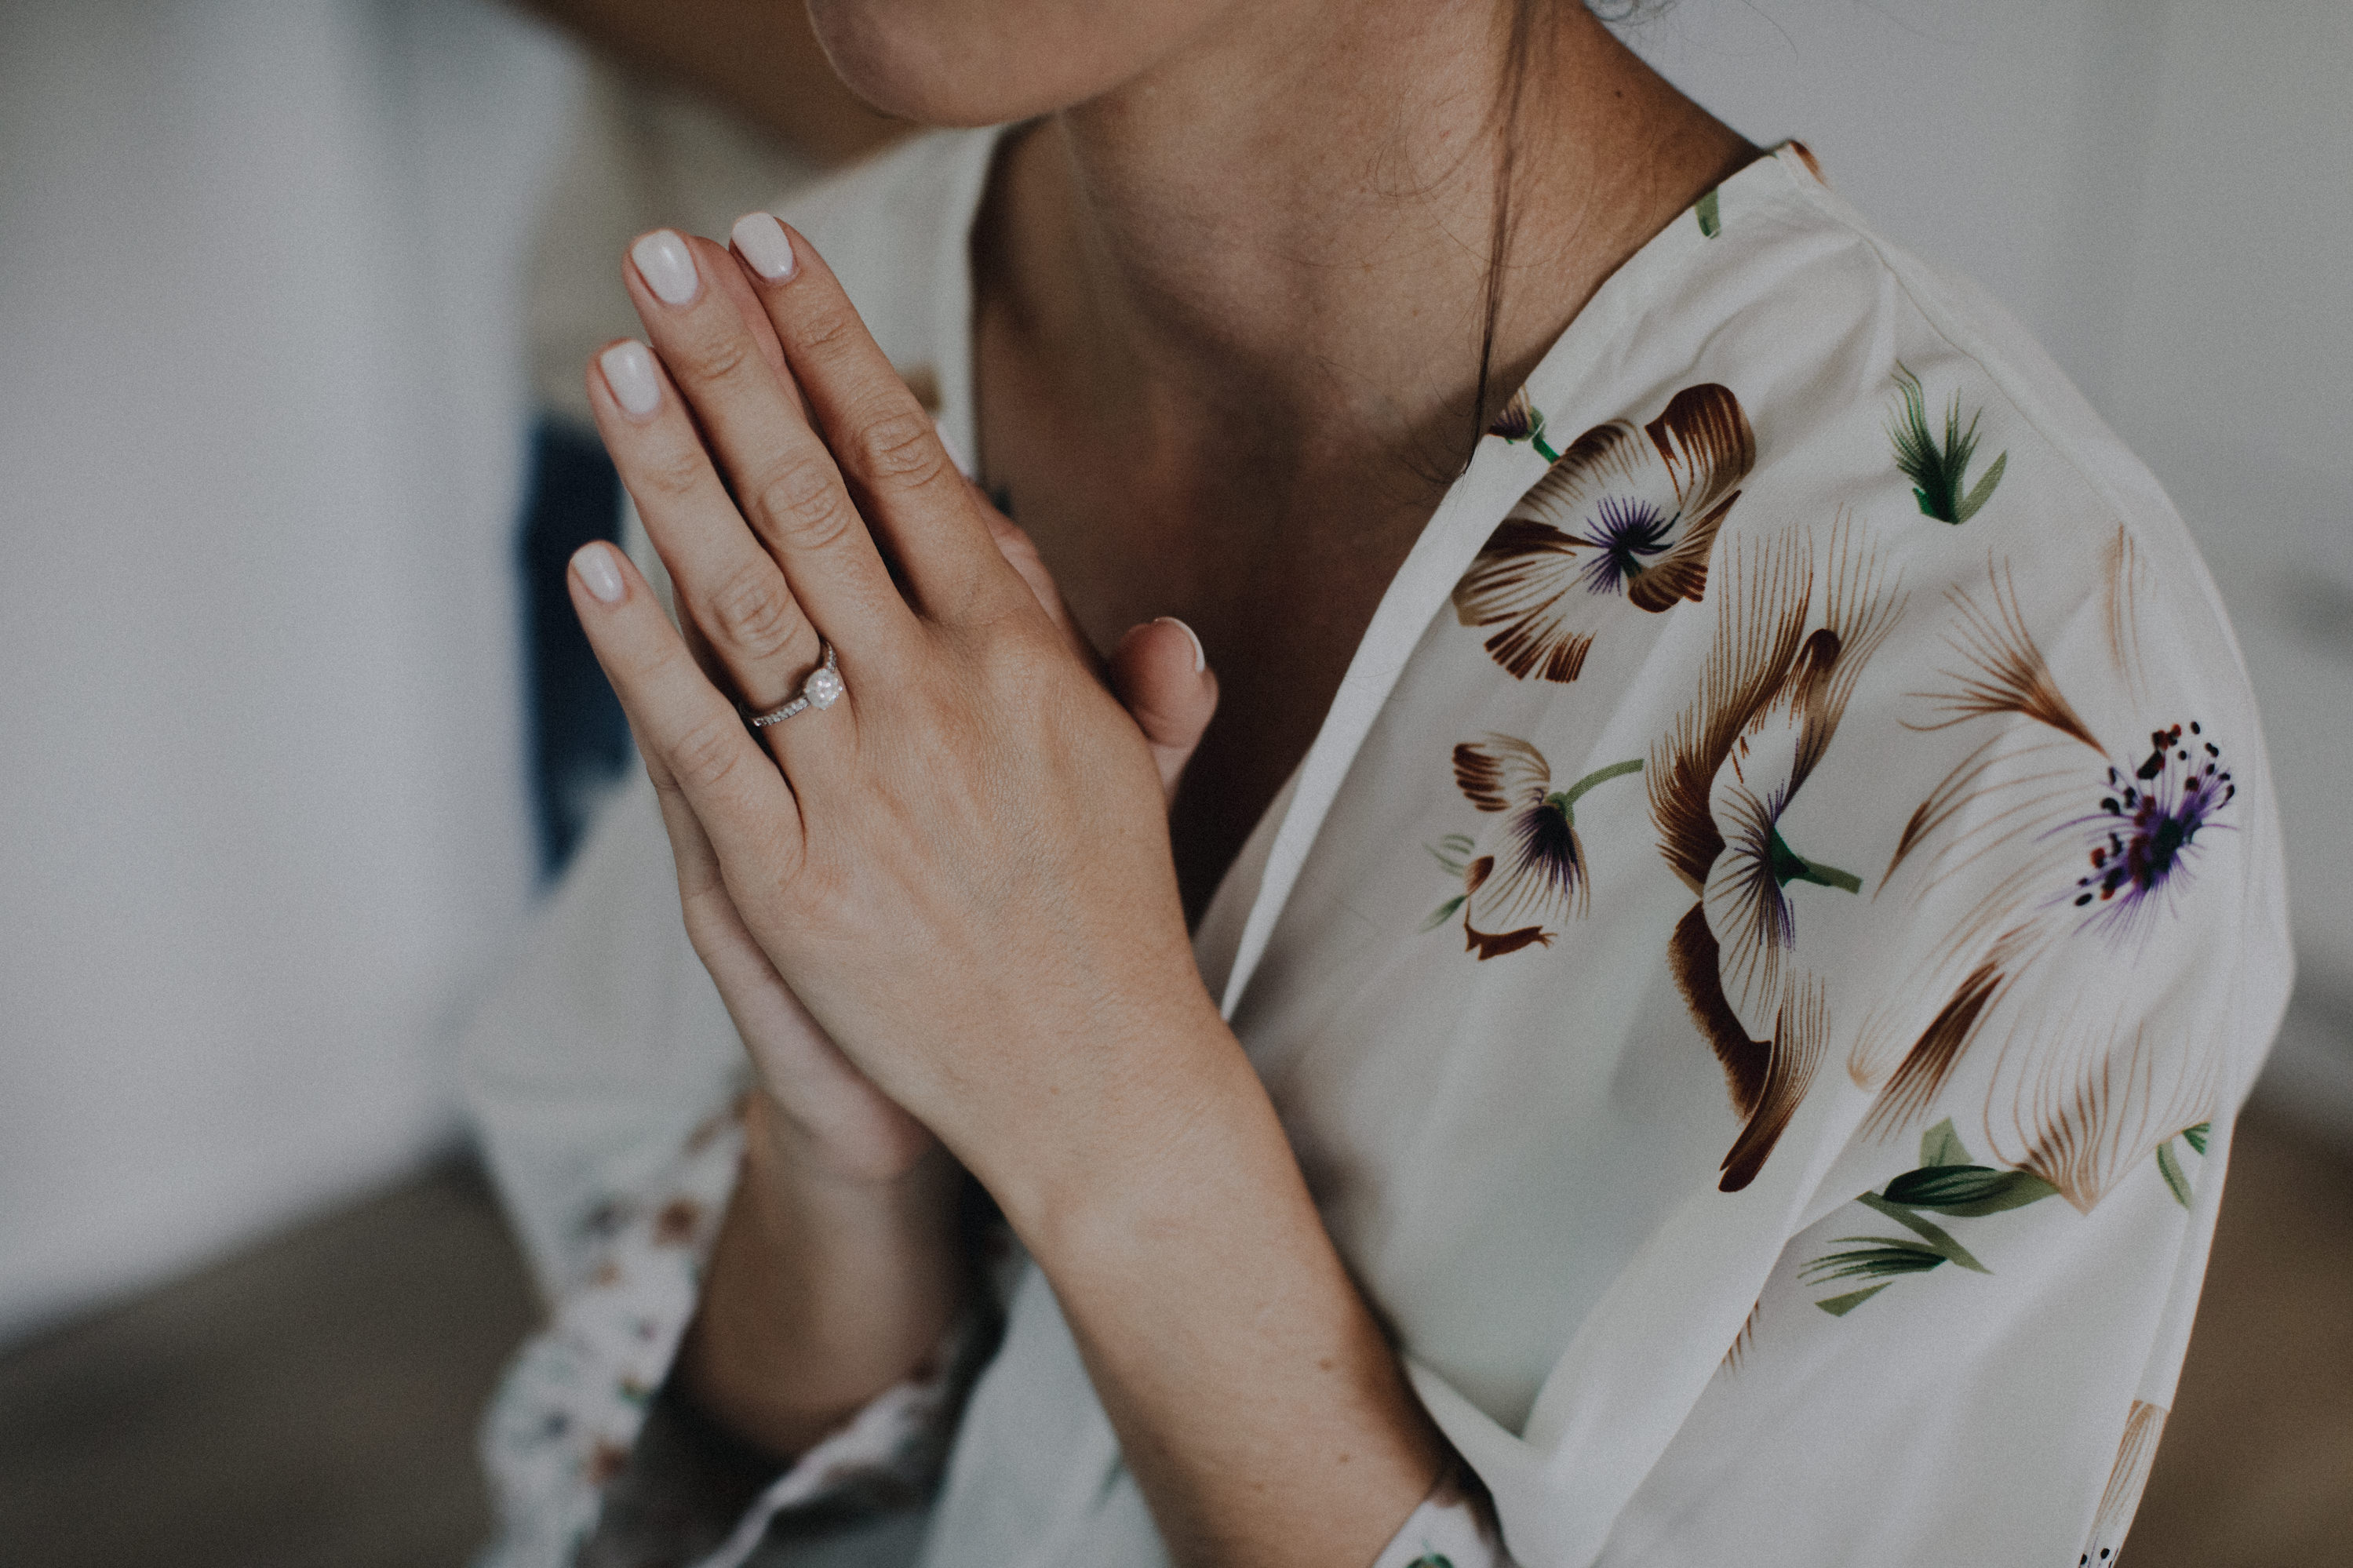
1249	898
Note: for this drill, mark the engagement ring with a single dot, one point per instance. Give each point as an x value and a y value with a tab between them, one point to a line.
823	689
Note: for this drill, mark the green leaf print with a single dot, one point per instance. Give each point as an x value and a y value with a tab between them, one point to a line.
1839	1306
1872	1257
1431	1560
2175	1178
1453	852
1442	913
1711	214
1947	1183
1940	1240
1940	1145
2168	1163
1938	469
1967	1189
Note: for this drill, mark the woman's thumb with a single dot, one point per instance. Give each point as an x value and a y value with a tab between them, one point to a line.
1164	680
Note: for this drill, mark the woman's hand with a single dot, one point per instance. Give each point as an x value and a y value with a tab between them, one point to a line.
823	1116
963	867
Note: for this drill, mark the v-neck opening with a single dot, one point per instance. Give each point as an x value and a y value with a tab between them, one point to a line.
1499	473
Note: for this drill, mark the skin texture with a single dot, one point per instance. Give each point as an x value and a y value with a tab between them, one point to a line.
756	56
1226	344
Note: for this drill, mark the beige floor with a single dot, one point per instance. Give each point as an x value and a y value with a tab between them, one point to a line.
312	1404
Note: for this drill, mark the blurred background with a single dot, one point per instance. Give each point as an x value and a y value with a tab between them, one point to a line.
293	298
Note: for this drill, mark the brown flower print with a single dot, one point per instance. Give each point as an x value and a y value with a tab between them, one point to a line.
1786	652
1537	872
1624	519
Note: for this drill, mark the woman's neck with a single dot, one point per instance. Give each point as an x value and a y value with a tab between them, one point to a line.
1277	241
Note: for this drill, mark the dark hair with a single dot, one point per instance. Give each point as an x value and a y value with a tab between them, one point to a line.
1526	16
1517	49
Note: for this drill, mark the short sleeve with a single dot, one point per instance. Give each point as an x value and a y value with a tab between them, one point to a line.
1957	1367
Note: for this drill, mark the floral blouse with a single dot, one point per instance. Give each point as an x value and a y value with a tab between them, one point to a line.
1758	966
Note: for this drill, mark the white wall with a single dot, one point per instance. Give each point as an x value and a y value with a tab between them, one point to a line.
261	814
2162	190
261	819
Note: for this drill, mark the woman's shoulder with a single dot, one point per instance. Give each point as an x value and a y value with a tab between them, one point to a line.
1864	358
1821	514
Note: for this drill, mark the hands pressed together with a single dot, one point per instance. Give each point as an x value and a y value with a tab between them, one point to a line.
943	907
961	867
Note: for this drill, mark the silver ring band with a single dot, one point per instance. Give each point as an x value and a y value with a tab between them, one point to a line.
823	689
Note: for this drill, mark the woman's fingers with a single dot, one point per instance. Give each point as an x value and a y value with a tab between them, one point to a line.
1158	672
728	586
1165	682
885	444
1021	553
690	735
785	480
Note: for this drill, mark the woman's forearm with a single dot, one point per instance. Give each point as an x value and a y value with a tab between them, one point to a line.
1257	1400
821	1291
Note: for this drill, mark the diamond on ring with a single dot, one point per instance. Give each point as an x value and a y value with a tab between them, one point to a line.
823	689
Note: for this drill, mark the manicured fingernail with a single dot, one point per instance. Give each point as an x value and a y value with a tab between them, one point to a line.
667	265
761	240
629	367
1200	659
598	570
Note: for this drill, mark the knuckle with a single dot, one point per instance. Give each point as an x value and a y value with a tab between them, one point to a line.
899	447
753	614
703	758
674	473
827	332
803	504
720	357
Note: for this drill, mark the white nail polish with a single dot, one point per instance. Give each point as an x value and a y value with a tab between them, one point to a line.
1200	658
629	367
761	240
667	265
598	570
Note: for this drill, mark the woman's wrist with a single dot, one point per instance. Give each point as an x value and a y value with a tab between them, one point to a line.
824	1289
1189	1258
1090	1149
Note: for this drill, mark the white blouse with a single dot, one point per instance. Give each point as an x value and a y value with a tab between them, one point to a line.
1757	965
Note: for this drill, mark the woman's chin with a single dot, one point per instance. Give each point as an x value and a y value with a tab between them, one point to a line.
980	62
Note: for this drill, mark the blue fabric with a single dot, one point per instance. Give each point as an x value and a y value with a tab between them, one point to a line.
579	738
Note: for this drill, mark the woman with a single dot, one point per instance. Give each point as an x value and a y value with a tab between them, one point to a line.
1734	886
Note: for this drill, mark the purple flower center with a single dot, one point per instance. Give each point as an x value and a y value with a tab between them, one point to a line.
2146	828
1624	532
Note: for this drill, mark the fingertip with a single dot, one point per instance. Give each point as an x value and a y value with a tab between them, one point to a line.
1161	678
665	264
599	566
1200	655
764	245
631	377
1164	651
